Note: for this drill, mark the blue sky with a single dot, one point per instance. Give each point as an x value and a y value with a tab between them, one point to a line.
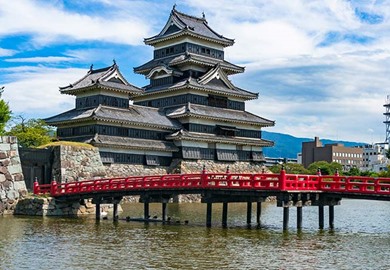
321	67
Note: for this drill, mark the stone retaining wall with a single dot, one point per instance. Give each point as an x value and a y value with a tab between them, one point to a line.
120	170
74	163
221	167
12	185
40	206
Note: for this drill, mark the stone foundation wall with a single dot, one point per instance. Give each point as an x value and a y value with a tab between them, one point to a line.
78	163
12	185
218	166
120	170
39	206
74	163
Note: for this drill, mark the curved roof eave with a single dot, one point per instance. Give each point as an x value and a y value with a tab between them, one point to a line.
98	85
254	96
272	123
154	40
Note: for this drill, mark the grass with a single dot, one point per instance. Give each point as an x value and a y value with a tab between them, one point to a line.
66	143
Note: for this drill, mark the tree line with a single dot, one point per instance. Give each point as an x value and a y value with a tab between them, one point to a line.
30	132
327	168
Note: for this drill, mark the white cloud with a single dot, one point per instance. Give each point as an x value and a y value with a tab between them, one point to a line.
333	90
46	59
7	52
48	23
34	92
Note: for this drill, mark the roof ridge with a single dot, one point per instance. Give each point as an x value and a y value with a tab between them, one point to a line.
174	10
93	71
89	72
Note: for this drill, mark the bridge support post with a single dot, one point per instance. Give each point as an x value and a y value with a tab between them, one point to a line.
146	211
249	213
97	211
321	216
299	217
285	217
115	212
331	216
164	212
224	214
258	212
209	214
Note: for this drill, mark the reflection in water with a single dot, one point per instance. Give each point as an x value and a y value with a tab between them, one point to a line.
360	240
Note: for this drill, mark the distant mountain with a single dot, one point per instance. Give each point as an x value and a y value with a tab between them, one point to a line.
287	146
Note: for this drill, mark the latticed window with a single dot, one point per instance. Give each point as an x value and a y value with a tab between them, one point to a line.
217	101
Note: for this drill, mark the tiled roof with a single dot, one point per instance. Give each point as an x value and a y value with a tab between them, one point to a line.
109	77
201	111
135	115
72	115
214	86
172	61
133	143
194	136
188	25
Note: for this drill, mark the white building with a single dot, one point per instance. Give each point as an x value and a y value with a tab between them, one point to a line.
374	157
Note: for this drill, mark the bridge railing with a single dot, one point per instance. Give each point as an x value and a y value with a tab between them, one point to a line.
263	181
355	184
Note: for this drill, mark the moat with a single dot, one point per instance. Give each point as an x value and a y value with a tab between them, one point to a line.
360	240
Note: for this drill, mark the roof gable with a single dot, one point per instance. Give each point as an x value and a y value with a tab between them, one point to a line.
216	73
108	77
180	24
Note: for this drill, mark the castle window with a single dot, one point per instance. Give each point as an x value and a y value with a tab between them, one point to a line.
217	101
226	131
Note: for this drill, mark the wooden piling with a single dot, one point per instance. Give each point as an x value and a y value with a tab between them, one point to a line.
299	217
249	213
115	212
258	212
224	214
285	217
97	211
146	211
331	216
209	214
321	216
164	212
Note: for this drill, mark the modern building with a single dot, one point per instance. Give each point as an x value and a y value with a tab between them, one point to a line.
374	157
348	157
190	110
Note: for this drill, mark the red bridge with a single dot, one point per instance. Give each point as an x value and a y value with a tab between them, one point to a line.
289	190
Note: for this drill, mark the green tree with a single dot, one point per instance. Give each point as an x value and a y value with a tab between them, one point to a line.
31	133
385	173
292	168
353	172
325	167
5	115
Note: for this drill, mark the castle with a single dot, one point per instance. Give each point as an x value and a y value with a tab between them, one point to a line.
190	110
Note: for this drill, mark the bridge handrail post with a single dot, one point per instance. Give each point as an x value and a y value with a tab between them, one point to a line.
36	186
282	179
203	177
53	187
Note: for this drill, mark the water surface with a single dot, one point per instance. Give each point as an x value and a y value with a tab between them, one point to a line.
360	240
